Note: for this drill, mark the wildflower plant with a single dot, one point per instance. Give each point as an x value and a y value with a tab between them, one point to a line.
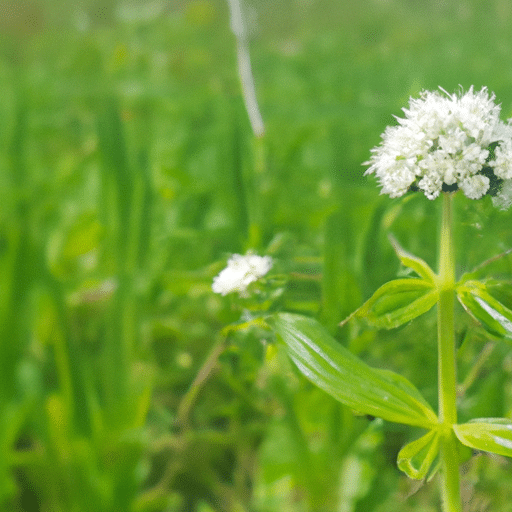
445	145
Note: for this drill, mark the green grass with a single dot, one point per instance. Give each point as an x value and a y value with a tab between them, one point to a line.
128	174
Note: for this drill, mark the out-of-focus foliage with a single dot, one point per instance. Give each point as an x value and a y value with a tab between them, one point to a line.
128	174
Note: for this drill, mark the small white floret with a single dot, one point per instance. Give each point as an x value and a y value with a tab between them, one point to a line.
503	199
240	272
475	187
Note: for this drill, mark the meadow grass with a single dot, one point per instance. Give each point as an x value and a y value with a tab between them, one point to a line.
128	175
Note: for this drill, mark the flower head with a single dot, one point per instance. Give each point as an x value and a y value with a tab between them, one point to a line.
444	143
240	272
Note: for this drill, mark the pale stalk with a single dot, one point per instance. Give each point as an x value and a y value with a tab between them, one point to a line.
450	484
244	68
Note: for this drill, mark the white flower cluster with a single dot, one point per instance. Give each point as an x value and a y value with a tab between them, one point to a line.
240	272
446	142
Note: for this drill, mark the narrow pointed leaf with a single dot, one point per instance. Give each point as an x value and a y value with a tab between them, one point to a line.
421	267
488	434
398	302
492	314
416	458
348	379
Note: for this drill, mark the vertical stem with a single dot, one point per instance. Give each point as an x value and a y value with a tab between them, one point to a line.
446	364
445	327
244	68
254	220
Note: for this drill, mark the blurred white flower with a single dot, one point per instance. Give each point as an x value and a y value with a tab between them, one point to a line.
503	199
446	142
240	272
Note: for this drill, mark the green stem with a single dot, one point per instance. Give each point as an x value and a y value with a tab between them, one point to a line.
203	374
447	370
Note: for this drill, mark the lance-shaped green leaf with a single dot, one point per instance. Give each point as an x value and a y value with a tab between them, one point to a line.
492	314
421	267
397	302
340	373
416	458
488	434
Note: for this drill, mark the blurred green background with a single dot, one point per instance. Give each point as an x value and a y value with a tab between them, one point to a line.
129	173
